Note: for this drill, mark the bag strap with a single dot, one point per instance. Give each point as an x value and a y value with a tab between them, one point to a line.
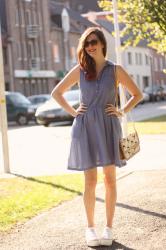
116	97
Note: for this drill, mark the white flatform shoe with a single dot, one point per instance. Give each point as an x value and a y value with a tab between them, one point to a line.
91	237
107	237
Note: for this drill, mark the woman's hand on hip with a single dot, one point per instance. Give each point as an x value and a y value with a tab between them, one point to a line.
110	109
81	109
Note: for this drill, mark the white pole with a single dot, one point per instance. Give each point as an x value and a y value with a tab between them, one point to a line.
66	29
119	61
3	116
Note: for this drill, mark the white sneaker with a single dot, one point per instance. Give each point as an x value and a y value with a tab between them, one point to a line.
107	237
91	237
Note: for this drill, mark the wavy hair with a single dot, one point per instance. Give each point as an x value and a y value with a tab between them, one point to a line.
87	63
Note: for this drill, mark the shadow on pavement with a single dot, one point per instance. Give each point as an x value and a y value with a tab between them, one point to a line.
115	245
49	183
118	204
137	209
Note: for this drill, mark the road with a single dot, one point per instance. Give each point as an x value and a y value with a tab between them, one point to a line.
37	150
149	110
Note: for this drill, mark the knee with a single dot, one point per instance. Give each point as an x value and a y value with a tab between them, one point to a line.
110	183
90	184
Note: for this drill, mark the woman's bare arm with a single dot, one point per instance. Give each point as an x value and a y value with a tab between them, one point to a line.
129	84
67	82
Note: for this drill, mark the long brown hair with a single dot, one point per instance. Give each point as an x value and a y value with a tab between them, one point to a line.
87	63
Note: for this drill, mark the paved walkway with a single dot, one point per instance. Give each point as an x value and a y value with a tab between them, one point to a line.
139	224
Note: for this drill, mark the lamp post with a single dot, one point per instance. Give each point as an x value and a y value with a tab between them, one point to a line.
3	116
119	61
66	29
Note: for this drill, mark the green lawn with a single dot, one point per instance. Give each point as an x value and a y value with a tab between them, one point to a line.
21	198
155	125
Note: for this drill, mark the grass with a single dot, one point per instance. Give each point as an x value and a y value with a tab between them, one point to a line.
22	198
155	125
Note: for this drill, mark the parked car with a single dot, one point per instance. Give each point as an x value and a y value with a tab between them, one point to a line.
19	108
154	92
51	111
37	100
163	92
146	98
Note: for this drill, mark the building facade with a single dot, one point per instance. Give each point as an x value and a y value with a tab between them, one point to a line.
29	66
35	46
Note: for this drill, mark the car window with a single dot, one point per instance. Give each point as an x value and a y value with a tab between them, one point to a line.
18	98
41	99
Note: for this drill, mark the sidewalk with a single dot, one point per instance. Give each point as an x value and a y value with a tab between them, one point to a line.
140	219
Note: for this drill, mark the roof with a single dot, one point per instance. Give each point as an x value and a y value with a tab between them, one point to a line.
107	25
83	6
56	11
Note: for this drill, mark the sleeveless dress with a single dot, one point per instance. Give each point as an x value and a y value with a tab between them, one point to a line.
95	135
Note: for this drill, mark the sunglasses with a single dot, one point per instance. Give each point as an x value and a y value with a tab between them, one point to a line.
92	42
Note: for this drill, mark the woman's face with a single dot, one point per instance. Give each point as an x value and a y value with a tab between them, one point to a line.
93	46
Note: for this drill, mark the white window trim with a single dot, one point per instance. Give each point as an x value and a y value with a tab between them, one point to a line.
56	53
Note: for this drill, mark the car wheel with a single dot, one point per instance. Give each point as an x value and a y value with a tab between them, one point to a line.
22	120
157	98
46	124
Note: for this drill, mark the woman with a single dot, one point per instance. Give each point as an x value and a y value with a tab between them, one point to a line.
96	128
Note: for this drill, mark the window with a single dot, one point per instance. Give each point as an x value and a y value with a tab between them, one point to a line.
22	17
146	60
16	17
25	51
161	64
162	82
155	64
31	53
18	51
140	58
138	80
136	58
5	55
80	7
28	17
145	81
73	55
129	57
56	53
34	18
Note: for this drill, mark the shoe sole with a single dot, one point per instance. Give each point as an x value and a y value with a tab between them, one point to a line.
93	243
105	242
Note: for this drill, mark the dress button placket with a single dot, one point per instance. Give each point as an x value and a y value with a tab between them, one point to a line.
97	86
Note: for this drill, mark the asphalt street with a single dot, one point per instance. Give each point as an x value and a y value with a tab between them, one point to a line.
38	150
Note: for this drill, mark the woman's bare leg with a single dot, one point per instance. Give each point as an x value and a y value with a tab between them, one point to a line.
110	192
89	194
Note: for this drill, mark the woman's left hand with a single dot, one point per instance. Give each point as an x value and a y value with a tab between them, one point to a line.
111	110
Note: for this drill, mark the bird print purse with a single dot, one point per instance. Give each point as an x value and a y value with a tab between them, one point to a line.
129	145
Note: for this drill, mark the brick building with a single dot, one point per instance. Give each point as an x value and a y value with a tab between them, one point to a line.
33	44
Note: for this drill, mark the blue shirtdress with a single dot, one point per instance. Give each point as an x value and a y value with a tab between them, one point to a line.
95	135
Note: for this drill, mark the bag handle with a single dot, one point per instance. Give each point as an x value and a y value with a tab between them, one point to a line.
116	97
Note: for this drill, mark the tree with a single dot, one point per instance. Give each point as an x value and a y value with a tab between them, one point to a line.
142	19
